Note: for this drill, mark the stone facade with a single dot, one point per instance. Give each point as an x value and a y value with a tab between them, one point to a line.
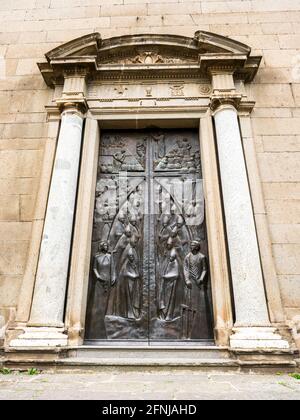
30	28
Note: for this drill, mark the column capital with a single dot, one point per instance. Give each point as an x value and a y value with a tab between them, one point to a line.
74	91
72	107
224	93
219	102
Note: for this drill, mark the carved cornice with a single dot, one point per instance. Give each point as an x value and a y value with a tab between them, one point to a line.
221	42
87	45
246	107
75	72
149	56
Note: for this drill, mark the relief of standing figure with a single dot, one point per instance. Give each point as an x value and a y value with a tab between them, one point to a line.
195	275
102	267
126	295
167	291
103	280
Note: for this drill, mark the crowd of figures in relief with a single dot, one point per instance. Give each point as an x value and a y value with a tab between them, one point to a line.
149	275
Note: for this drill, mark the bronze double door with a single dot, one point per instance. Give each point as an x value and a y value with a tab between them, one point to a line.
149	276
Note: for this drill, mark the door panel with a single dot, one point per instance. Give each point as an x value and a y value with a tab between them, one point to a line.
146	281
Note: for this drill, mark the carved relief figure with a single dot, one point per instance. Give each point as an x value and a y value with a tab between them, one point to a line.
195	275
164	232
119	228
102	280
134	226
120	153
172	235
179	157
119	159
159	138
105	209
168	285
102	267
141	151
125	296
147	279
195	268
122	243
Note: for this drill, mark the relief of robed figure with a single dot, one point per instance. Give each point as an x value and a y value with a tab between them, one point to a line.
103	279
126	294
168	286
196	307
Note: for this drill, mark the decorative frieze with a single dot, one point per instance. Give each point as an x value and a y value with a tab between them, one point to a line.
177	90
140	91
120	90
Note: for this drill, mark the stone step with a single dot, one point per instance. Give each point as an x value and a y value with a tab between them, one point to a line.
144	353
97	358
147	362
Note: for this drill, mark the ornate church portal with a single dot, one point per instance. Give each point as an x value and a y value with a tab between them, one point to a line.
149	234
149	277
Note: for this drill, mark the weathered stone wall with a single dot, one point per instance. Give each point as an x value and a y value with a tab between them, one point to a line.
29	28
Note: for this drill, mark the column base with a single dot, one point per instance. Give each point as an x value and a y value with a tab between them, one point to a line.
257	338
40	337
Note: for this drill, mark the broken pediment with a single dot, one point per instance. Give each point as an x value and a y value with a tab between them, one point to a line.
149	56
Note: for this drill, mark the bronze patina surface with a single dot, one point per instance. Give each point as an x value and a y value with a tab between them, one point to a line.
149	277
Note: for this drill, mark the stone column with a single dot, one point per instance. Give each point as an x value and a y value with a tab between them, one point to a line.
252	327
83	231
46	324
51	279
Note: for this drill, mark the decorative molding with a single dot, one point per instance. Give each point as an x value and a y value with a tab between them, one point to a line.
221	101
148	57
148	91
177	90
149	73
75	106
205	89
221	43
120	90
246	107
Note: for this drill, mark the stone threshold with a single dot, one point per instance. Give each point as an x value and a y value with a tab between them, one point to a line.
91	358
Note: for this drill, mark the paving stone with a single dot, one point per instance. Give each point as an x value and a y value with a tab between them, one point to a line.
149	386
